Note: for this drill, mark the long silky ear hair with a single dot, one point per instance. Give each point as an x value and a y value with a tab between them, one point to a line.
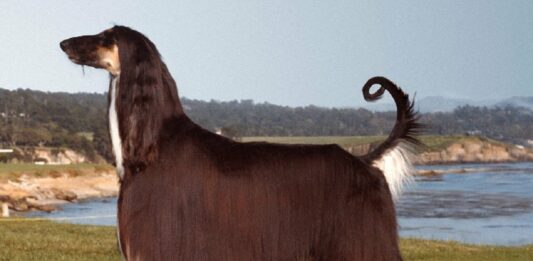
146	96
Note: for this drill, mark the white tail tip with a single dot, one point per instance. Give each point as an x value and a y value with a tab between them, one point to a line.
396	165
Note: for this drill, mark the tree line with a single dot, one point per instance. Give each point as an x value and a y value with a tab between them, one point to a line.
78	121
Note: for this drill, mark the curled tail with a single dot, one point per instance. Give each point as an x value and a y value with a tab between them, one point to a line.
394	156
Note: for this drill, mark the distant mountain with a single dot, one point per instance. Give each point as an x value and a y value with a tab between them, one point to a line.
439	103
444	104
517	102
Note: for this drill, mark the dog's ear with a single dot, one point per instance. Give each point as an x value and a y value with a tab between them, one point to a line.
140	98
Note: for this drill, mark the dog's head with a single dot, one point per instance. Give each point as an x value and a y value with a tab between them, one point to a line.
147	93
99	50
114	50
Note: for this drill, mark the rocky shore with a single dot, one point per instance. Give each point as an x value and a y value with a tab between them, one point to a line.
466	150
47	193
476	152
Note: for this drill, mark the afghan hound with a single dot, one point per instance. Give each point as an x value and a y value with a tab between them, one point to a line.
189	194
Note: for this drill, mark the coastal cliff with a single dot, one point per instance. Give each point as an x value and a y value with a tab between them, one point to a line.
457	150
472	152
30	190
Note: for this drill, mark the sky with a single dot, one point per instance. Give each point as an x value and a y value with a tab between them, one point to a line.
293	53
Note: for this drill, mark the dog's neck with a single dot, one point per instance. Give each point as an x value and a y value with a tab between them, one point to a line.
137	116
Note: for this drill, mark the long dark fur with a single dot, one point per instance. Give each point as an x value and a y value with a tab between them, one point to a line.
189	194
147	96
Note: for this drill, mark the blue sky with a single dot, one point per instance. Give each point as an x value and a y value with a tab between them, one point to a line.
286	52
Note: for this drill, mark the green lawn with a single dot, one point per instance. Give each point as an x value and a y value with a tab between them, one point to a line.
418	249
45	240
432	142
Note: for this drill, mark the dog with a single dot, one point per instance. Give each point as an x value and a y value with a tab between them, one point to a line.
189	194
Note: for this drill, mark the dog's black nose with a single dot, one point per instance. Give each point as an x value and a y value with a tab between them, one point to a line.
64	45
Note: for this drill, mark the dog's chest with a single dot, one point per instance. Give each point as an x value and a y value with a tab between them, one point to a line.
114	128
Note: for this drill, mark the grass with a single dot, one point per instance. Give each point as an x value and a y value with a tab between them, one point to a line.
440	142
432	142
14	171
431	250
44	240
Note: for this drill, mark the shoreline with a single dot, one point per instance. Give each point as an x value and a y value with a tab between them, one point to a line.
464	170
465	162
36	193
28	193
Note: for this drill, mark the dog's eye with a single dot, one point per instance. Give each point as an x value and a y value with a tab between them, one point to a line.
107	39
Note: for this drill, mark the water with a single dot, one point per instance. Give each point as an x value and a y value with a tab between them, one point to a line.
96	212
489	204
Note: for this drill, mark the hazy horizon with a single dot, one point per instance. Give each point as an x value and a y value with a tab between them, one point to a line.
381	101
287	53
